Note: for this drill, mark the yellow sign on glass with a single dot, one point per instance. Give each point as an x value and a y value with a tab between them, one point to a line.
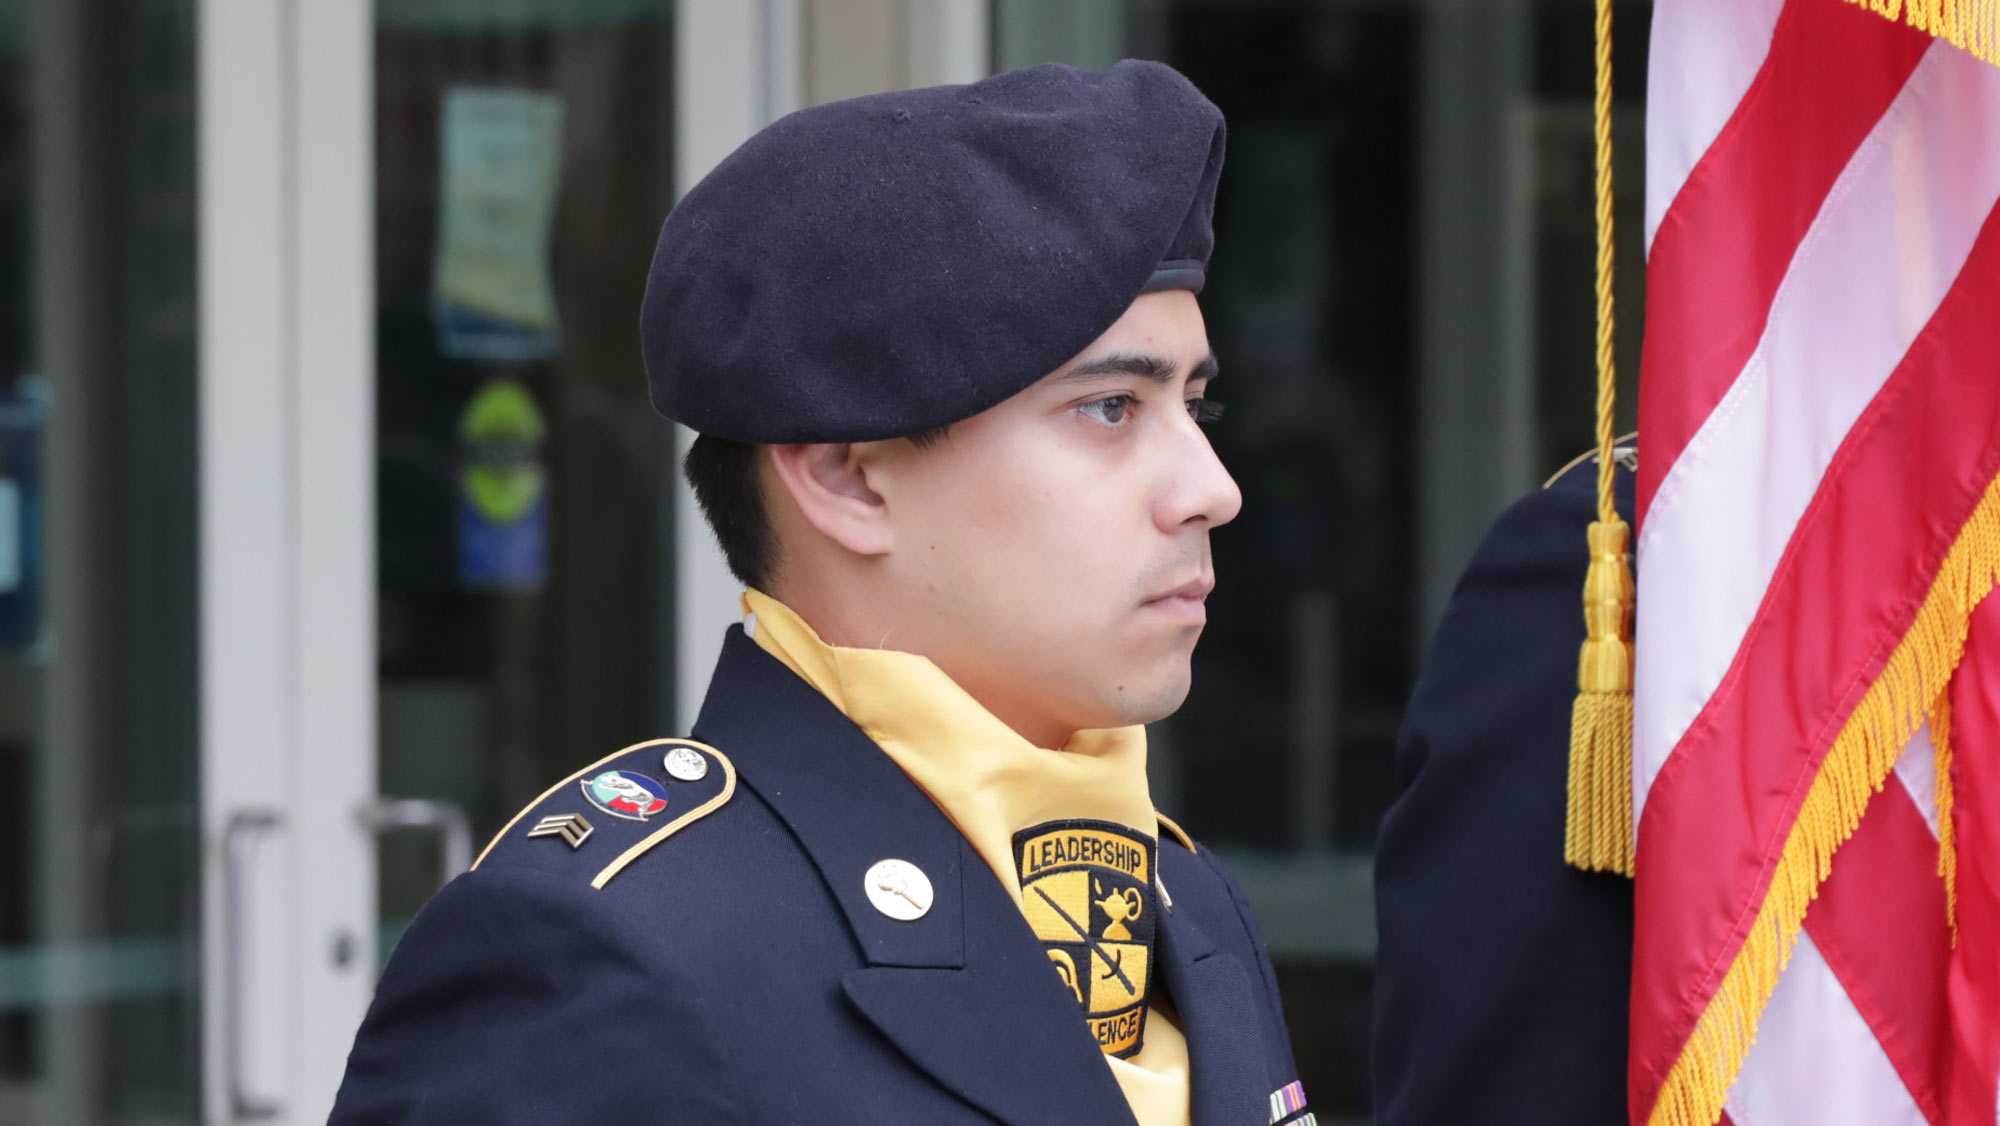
500	171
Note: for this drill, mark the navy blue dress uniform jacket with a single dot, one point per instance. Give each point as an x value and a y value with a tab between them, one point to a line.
1501	989
735	971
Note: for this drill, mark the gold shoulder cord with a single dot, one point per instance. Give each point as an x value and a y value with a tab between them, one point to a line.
677	824
1598	835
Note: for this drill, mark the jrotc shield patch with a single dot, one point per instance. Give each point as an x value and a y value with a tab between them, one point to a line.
1087	889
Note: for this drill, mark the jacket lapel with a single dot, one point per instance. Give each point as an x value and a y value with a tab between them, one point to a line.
1220	1011
1002	1031
964	991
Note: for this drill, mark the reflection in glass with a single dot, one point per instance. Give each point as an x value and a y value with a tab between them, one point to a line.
523	163
99	852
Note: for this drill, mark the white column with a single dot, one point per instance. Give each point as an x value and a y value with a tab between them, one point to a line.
949	41
286	400
332	366
246	472
1475	395
736	66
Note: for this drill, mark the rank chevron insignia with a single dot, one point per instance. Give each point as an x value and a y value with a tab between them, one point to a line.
571	827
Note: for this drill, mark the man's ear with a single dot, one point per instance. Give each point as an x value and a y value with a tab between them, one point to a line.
828	484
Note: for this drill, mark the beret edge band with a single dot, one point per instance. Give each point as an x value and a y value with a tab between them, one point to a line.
1177	273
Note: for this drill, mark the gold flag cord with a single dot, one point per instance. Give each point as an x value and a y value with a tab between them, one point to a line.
1598	833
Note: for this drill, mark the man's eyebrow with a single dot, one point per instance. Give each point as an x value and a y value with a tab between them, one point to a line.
1159	369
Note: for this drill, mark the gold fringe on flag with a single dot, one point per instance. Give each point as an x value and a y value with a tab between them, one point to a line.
1971	25
1598	833
1901	698
1944	796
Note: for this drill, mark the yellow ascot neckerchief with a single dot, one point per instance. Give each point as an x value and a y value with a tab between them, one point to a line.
1081	818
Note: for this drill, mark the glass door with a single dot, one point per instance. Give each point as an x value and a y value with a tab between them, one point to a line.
100	922
200	273
523	161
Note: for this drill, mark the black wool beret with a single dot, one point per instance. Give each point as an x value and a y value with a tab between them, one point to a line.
881	266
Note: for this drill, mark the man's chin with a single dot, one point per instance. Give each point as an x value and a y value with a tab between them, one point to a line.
1149	702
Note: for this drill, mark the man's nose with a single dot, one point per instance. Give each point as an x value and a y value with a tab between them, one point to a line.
1202	491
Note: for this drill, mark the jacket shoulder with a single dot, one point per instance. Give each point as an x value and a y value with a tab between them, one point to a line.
595	823
1583	467
1474	908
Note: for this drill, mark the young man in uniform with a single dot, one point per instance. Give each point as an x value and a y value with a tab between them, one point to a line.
943	351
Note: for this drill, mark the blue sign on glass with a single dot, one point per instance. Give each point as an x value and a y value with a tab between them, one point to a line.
511	554
20	523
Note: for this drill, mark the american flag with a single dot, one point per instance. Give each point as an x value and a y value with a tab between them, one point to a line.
1819	521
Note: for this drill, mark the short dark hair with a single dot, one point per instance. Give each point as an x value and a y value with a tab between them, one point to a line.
723	474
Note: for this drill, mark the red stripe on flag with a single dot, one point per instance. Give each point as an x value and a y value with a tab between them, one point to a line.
1880	924
1727	240
1974	989
1852	578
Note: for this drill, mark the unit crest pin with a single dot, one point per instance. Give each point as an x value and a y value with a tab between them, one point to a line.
625	793
685	764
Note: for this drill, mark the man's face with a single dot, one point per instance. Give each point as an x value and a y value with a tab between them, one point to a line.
1052	553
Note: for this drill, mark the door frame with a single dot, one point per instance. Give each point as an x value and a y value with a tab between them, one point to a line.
285	157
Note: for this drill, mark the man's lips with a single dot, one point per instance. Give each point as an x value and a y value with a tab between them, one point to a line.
1184	603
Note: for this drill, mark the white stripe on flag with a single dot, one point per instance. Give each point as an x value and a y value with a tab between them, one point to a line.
1816	1061
1705	53
1883	251
1917	771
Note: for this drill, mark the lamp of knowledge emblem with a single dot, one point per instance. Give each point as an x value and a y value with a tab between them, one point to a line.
626	793
1087	890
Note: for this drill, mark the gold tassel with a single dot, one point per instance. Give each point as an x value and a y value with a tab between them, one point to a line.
1598	833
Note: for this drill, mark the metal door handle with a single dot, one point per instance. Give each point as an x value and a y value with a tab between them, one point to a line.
449	822
238	843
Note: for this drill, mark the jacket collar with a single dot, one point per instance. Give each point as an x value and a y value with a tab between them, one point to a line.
845	801
949	986
1229	1049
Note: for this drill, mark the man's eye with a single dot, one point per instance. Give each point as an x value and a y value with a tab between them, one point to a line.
1204	410
1110	411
